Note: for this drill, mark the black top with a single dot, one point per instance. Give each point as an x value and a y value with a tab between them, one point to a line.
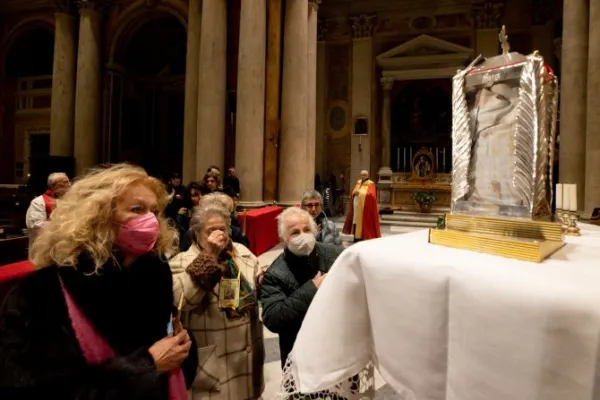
129	307
287	291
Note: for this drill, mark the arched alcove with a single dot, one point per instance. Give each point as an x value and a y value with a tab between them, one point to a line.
26	87
147	96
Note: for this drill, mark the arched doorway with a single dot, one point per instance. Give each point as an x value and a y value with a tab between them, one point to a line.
145	113
26	88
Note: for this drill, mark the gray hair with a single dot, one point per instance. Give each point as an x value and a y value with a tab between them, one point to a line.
204	211
282	226
54	177
311	194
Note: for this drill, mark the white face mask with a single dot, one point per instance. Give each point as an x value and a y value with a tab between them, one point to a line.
302	245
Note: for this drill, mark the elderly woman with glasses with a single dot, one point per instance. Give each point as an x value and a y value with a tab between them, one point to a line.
327	232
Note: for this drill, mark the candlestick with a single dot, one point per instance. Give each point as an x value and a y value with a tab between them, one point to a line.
437	159
573	197
566	199
410	154
444	158
397	158
404	159
559	196
573	217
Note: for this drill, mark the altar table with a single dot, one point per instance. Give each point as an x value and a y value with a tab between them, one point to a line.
261	228
448	324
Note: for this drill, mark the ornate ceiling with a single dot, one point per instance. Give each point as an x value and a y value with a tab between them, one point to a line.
331	8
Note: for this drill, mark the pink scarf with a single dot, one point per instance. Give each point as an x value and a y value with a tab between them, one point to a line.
96	350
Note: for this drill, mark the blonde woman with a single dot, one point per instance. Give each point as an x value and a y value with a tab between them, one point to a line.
93	321
221	309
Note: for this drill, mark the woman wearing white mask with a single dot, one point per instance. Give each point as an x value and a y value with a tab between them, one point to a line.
291	282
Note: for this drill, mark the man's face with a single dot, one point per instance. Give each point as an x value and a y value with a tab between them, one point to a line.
176	181
364	175
61	186
231	171
211	183
312	206
296	225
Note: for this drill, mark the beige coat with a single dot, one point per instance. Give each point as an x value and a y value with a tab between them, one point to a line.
230	352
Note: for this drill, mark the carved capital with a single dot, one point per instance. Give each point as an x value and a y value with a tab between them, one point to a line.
487	14
387	83
94	5
322	27
362	25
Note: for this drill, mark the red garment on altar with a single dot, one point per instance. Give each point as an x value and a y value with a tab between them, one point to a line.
367	222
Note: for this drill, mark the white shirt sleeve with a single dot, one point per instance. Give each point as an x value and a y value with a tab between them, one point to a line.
36	216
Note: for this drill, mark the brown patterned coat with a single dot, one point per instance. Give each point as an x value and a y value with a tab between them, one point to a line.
230	351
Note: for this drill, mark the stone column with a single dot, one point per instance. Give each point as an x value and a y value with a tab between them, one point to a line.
210	146
592	142
249	137
87	93
62	107
272	100
321	96
385	172
293	157
190	112
362	68
311	80
574	66
487	16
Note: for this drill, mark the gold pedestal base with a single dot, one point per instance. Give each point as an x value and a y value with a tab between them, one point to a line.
520	239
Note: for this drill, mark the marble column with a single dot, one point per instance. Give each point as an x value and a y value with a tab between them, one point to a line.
190	112
385	172
272	100
362	68
250	123
62	106
210	145
592	142
87	92
293	157
573	88
311	79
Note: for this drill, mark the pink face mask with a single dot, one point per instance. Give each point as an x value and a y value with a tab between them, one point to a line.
138	235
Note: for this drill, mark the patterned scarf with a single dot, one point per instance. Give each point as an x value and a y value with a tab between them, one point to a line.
247	295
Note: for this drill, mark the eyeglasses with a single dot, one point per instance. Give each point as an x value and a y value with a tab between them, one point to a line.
311	205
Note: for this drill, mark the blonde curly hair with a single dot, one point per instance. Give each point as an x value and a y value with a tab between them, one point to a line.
83	219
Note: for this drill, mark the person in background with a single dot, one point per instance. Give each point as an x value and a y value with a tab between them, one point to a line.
93	321
41	207
362	219
212	181
290	283
193	194
232	181
235	232
176	192
229	334
327	232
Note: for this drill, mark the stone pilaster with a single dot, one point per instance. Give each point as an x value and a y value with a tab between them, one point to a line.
362	57
294	103
87	92
190	113
573	88
311	79
250	124
62	109
592	142
385	172
486	17
210	145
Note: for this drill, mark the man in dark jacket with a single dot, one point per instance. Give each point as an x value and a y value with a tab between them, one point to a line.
291	282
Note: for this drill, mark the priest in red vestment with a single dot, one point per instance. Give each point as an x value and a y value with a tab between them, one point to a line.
362	219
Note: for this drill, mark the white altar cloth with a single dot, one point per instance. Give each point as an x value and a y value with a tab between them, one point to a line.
448	324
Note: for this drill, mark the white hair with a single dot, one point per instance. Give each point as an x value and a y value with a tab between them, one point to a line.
54	177
282	220
311	194
206	210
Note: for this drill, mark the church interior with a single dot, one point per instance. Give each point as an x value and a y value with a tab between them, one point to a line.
285	91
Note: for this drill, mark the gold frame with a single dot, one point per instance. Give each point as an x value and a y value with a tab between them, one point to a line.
413	163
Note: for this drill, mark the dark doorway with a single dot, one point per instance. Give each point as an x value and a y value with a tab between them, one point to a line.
148	129
25	92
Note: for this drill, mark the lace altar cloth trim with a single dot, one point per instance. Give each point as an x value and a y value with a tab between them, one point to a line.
358	387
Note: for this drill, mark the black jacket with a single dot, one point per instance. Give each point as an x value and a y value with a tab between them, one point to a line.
130	308
287	291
